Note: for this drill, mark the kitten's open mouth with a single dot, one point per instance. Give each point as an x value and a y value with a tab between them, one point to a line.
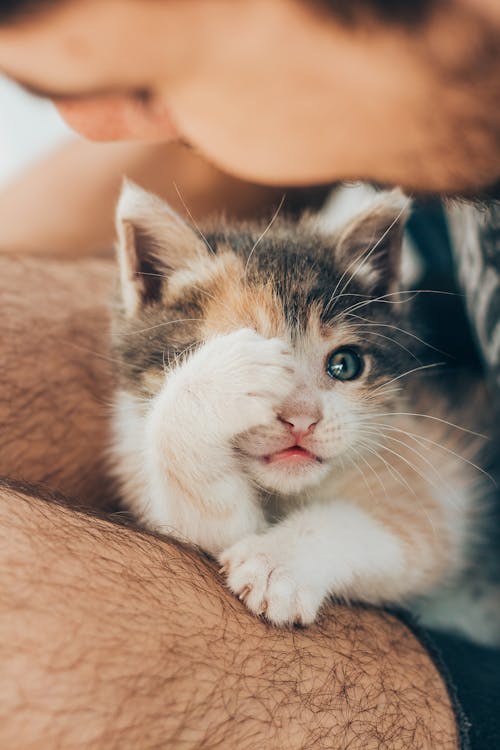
295	454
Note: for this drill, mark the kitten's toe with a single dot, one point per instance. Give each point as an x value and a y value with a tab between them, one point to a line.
247	574
268	586
290	602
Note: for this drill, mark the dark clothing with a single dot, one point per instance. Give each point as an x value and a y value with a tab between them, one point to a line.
461	248
473	676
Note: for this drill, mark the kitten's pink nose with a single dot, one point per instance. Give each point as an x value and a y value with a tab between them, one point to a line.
299	425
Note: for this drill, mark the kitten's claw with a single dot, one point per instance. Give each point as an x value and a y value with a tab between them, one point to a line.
270	585
244	593
262	611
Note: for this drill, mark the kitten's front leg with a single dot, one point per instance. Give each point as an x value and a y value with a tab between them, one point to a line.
338	549
198	488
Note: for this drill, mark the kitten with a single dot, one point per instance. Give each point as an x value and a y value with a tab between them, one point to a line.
277	409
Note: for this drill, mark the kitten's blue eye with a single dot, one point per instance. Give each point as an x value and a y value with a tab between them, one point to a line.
344	364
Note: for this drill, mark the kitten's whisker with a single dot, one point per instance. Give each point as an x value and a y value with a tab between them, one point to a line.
261	236
90	351
205	292
429	416
218	300
392	341
422	458
383	298
363	297
145	401
360	470
150	273
383	393
421	438
402	330
377	476
191	286
423	477
392	469
360	262
412	466
193	220
445	484
179	356
420	505
159	325
199	289
409	372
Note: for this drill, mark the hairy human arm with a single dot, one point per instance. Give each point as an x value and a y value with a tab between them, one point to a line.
56	375
110	638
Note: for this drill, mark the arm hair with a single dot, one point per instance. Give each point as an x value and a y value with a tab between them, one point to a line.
112	638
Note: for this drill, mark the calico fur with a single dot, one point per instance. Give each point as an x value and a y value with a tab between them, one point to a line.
223	340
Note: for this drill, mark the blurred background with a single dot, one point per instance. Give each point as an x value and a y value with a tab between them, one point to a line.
29	130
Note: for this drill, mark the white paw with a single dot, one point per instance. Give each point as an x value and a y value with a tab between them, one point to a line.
260	575
242	377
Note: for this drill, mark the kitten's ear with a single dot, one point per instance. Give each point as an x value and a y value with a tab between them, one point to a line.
153	241
370	245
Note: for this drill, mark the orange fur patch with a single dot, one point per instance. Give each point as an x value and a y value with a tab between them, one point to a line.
233	304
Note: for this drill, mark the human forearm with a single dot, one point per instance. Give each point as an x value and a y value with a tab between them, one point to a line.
56	376
118	639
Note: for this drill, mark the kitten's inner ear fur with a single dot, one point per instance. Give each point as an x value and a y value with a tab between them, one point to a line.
371	243
153	241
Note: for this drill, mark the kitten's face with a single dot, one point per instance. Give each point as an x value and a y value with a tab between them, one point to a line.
316	293
320	423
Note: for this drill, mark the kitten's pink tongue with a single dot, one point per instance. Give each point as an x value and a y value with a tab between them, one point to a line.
295	454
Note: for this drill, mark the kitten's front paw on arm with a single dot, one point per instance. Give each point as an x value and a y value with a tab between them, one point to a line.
259	574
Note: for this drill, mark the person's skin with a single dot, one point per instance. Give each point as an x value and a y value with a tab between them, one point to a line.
56	377
277	92
114	639
291	97
111	638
